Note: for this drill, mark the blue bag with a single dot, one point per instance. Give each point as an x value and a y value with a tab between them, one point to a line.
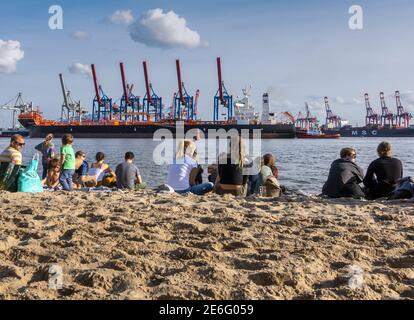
29	180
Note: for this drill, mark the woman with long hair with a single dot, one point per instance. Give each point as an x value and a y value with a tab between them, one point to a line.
183	172
230	178
47	149
101	172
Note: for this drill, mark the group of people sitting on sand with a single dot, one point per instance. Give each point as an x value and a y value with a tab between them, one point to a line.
69	170
346	178
233	173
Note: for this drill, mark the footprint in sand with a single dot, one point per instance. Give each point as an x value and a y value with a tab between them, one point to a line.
402	262
264	279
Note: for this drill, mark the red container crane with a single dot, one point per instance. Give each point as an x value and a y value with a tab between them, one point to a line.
403	117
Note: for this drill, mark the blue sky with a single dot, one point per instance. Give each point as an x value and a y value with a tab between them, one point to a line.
298	51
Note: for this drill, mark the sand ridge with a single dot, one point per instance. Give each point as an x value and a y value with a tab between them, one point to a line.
141	245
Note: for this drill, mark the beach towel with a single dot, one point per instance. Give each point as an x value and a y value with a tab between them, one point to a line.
29	180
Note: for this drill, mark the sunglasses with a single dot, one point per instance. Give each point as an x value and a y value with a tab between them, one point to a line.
20	144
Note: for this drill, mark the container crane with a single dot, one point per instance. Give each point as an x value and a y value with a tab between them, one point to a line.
183	99
371	118
300	120
197	97
18	107
129	109
387	117
331	118
222	98
102	104
311	121
403	117
152	102
71	109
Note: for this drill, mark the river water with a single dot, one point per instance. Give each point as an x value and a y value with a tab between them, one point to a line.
303	164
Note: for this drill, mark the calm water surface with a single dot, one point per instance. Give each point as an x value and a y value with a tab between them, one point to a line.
303	164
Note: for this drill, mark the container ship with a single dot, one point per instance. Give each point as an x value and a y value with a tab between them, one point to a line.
133	118
384	125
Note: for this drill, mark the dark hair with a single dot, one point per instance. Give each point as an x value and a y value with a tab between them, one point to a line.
129	156
67	139
100	156
268	160
54	163
79	154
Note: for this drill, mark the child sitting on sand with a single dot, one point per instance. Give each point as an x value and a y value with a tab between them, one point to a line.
267	180
67	162
53	174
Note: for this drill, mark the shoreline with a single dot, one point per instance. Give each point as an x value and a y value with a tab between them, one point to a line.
142	245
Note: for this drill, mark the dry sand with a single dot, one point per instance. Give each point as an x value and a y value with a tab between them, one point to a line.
146	246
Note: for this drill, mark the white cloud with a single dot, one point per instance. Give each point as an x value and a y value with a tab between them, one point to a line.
81	69
164	30
124	17
80	35
357	101
10	54
339	100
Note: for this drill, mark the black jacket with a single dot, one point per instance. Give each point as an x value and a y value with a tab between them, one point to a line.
382	176
343	172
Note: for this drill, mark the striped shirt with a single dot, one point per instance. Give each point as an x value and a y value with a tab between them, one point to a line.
11	155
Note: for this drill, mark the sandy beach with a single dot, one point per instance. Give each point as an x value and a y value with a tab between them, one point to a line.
142	245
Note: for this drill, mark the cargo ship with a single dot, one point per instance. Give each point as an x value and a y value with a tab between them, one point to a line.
384	125
135	118
39	128
373	131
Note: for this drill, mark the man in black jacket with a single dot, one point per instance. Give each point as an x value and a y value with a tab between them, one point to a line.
344	177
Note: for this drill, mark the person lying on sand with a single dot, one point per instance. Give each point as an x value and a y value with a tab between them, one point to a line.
344	177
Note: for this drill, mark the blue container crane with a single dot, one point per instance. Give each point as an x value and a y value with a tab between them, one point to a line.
222	97
152	102
102	104
183	102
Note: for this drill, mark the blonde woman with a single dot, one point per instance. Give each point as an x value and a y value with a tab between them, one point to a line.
384	173
47	149
183	171
230	178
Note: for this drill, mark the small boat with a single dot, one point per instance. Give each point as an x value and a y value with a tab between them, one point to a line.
7	133
315	134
